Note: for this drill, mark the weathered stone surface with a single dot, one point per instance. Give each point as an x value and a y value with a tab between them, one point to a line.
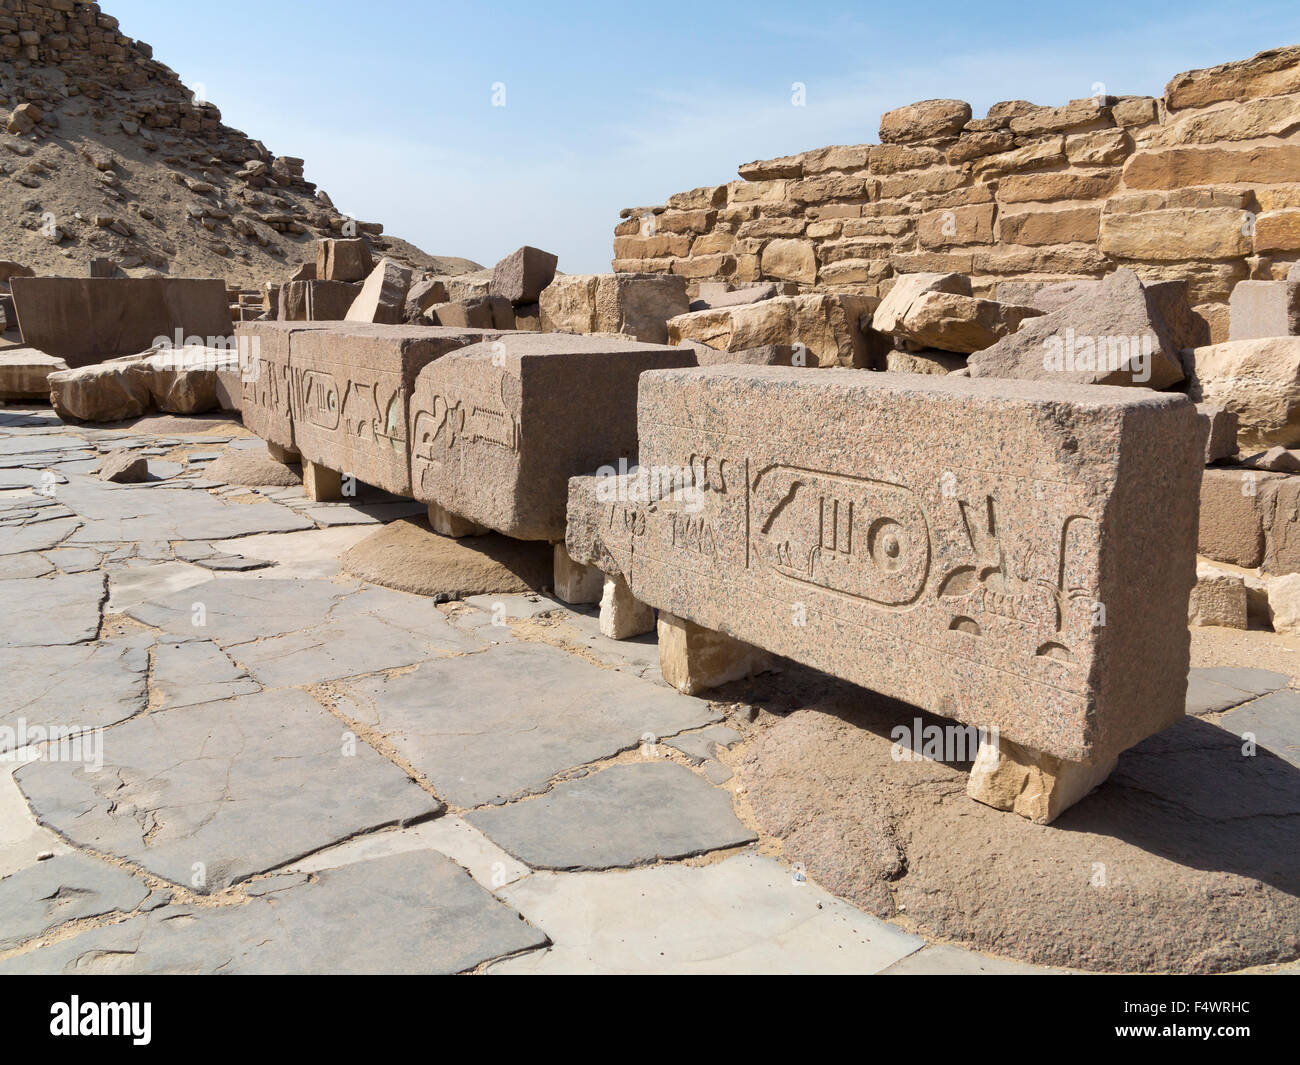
499	428
573	582
492	727
921	121
1269	73
49	611
951	322
407	913
1221	443
1273	721
84	320
1175	234
24	373
186	380
915	567
1258	380
107	392
622	615
1112	334
199	785
1177	168
824	327
251	468
635	305
124	467
86	685
522	275
407	555
790	260
623	816
346	259
316	301
1218	598
68	887
382	299
935	362
746	914
907	289
1264	309
1035	785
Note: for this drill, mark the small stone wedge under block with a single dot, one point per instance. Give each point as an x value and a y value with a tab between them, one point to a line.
445	523
575	583
321	484
693	659
622	615
1035	785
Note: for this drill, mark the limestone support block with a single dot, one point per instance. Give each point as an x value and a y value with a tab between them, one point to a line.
861	523
1219	598
1264	309
285	455
1259	380
445	523
1008	776
498	429
623	615
320	483
635	305
694	659
574	582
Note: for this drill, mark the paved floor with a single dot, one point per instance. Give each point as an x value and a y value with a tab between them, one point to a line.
219	754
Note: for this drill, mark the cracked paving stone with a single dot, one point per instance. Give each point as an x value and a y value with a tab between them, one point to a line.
237	611
51	610
66	888
701	746
29	564
130	513
498	725
77	687
212	794
943	960
622	816
74	559
1210	691
18	477
37	536
1273	720
40	443
746	914
416	912
196	671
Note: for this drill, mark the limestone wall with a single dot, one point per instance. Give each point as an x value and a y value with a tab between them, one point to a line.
1201	184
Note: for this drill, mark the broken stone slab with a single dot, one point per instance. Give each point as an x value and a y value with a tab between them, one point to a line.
1275	460
382	298
507	721
188	380
824	327
342	259
714	295
888	567
907	289
51	610
315	301
106	392
1259	309
24	374
933	362
497	429
85	320
635	305
1258	380
67	887
522	275
124	467
1218	598
622	816
462	314
204	778
422	295
953	322
1112	334
406	913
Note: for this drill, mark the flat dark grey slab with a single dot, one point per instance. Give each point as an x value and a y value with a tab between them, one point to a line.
89	685
19	567
498	725
211	794
1274	721
65	888
1211	691
37	535
74	559
415	912
622	816
51	610
196	671
239	611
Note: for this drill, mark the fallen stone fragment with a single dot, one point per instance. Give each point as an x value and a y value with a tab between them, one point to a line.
1219	598
107	392
24	373
907	289
1259	309
522	275
825	328
382	298
1258	380
952	322
342	259
68	887
124	467
1275	459
634	305
1221	443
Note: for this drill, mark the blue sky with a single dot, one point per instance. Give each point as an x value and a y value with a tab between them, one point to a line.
610	106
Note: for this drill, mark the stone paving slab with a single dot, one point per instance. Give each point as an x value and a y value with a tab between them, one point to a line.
494	726
65	888
1211	691
409	913
742	915
54	610
702	745
221	791
187	672
80	686
39	536
1274	721
20	567
942	960
621	816
238	611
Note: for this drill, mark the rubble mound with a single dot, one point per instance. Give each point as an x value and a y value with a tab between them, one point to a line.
107	155
251	468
